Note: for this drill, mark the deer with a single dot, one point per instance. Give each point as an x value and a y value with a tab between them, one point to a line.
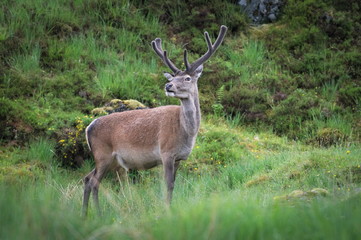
143	139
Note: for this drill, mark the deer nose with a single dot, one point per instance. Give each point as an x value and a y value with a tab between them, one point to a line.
168	86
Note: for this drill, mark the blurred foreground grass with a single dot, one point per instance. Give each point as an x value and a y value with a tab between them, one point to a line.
238	184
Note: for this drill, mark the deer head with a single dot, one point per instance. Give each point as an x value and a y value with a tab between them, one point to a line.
183	83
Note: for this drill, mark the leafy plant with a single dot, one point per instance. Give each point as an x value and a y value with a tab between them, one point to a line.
71	148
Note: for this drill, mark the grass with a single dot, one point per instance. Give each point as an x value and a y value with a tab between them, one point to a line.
41	150
243	194
61	59
79	55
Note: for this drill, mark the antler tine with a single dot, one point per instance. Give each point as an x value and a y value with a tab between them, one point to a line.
170	64
211	49
156	44
188	66
157	47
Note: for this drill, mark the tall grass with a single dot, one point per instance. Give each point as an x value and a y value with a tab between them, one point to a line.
42	213
34	18
250	61
41	150
205	206
235	197
27	63
111	46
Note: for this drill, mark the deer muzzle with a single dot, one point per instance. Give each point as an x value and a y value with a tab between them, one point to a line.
168	87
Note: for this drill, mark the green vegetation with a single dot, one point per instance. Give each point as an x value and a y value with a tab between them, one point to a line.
62	59
237	184
278	153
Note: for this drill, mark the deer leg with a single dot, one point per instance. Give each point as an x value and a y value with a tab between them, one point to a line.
87	190
176	166
170	168
95	181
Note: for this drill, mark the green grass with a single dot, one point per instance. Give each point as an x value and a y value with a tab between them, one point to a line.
243	194
295	78
78	55
41	150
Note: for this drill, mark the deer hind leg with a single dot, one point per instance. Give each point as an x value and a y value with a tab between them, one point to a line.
95	181
92	181
87	190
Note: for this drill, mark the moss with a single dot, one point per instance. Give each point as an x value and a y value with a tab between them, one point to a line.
99	111
133	104
117	105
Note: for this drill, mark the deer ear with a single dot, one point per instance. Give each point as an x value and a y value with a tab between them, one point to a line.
198	71
168	76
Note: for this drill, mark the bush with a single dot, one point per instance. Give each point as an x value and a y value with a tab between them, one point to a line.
350	95
245	100
287	117
71	148
190	18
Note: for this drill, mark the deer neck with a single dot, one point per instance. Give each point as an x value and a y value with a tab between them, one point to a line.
190	115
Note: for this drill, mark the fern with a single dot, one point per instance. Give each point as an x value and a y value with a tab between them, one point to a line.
217	106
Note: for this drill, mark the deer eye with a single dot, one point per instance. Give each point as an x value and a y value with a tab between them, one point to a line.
187	79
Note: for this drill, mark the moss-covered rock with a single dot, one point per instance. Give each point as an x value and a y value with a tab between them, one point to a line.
297	195
117	105
133	104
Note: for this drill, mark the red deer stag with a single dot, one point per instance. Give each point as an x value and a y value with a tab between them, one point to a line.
143	139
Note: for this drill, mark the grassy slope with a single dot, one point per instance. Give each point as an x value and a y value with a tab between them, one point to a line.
247	193
299	76
238	183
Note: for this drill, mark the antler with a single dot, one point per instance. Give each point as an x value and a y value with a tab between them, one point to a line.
190	68
157	47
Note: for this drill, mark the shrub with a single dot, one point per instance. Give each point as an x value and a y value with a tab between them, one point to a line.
71	148
245	100
287	117
350	95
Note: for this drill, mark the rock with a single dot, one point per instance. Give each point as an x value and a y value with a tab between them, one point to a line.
272	17
319	192
133	104
296	194
243	3
117	105
98	111
302	195
261	11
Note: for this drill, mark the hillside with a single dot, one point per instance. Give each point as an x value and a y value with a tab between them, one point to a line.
299	76
278	152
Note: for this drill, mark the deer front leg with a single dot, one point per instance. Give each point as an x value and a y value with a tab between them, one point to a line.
170	168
